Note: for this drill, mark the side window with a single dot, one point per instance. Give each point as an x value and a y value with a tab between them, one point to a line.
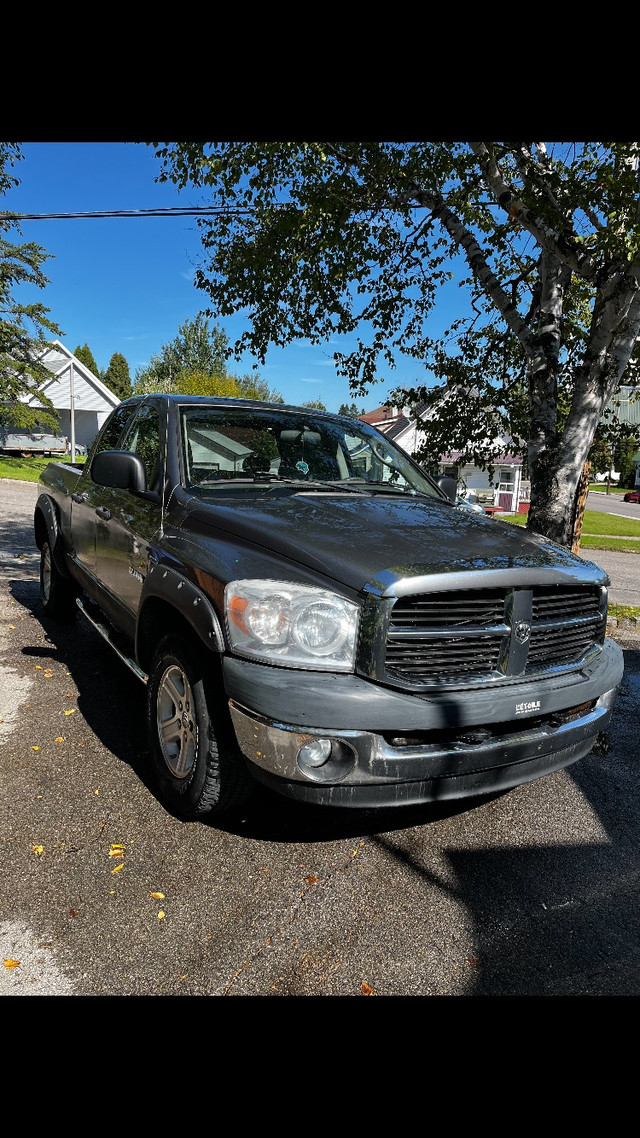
143	438
112	430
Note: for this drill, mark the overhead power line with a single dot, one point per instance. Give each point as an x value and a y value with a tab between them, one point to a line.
173	211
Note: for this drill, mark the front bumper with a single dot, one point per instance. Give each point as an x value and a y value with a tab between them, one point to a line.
390	747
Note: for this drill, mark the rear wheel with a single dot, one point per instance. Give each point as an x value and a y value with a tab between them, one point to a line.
197	762
58	595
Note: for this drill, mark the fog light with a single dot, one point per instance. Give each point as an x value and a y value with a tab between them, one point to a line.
315	753
326	760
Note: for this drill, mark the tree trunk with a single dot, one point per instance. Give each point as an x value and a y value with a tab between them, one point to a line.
552	500
580	506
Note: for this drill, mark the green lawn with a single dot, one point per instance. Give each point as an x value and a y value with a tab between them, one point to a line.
596	523
615	544
28	469
602	488
600	531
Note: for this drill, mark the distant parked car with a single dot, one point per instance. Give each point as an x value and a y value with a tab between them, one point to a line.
632	496
460	501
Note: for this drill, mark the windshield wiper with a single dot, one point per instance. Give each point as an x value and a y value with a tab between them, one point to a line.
385	487
350	485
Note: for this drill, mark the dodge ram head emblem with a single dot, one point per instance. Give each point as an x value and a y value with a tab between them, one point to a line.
522	631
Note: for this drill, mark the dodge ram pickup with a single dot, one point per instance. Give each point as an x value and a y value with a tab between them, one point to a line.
309	609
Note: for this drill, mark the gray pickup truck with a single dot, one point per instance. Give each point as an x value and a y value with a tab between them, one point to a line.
307	608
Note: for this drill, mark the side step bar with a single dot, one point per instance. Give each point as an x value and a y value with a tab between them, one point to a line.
106	635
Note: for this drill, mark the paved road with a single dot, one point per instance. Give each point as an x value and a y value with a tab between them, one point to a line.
612	504
102	892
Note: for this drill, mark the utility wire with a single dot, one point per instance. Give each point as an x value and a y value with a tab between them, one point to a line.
173	211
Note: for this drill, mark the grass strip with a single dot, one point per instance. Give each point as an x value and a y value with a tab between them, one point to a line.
29	469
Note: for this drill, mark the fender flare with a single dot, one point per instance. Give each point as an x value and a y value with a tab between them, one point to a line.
46	508
194	606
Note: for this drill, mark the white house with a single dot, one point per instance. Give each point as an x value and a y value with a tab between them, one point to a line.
82	400
508	490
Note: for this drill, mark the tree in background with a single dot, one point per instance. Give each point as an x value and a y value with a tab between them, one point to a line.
23	327
194	363
314	240
317	404
623	461
85	355
200	383
196	348
117	377
350	410
251	386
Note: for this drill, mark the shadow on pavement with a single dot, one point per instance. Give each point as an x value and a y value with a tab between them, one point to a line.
559	918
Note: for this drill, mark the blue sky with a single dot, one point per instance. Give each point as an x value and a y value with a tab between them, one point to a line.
126	284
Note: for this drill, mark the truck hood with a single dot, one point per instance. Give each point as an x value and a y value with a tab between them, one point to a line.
383	543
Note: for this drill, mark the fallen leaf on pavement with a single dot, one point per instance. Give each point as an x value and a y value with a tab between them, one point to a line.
11	963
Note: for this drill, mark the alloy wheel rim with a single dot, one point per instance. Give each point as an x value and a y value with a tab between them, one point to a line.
46	573
177	728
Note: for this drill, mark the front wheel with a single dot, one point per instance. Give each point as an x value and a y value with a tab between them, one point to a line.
58	595
197	762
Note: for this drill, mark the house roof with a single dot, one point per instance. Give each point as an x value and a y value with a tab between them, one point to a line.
89	392
396	427
380	415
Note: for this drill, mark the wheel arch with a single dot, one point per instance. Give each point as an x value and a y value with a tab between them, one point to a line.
173	605
46	527
45	522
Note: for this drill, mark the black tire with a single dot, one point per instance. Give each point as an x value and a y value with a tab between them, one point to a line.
198	765
58	595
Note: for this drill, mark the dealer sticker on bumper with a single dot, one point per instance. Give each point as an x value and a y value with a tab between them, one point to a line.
528	707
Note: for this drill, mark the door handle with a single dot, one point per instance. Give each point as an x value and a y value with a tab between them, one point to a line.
103	512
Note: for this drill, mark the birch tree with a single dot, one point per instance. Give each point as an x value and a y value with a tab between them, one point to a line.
358	240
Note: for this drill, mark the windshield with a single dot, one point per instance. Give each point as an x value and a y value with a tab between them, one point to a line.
250	446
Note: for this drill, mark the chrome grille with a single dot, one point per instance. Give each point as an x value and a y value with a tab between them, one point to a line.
472	632
446	633
565	623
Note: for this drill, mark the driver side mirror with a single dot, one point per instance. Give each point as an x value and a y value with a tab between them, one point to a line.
449	486
119	468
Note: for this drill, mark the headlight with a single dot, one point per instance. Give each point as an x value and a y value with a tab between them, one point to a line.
296	626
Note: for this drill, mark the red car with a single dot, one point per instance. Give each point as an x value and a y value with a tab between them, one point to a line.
632	496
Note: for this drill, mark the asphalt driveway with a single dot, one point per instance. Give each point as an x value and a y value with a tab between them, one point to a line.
102	892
